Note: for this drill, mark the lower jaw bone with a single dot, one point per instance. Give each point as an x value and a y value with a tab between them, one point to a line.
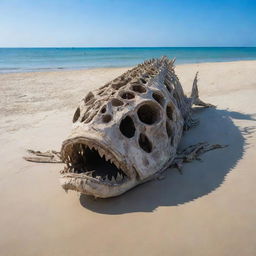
93	188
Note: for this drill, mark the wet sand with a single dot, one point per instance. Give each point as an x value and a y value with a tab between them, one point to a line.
209	210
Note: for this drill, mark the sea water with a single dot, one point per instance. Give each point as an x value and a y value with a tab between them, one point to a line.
39	59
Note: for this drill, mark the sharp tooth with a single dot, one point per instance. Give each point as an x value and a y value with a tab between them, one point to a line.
112	179
81	149
101	152
119	177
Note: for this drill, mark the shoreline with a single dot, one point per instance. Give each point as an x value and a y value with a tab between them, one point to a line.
60	69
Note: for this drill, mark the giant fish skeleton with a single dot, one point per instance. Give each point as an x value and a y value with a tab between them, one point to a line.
127	132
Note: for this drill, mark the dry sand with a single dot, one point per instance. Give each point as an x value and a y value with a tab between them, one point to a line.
209	210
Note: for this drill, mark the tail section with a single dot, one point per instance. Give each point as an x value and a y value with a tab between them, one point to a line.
195	96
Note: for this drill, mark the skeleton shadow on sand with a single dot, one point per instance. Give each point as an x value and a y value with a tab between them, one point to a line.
198	179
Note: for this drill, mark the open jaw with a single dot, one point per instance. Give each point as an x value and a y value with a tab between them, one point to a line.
94	169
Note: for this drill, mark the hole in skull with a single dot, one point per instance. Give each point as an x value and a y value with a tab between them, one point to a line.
127	95
91	163
158	97
106	118
127	127
145	143
103	110
169	111
118	84
138	88
88	97
149	113
143	80
116	102
76	115
168	129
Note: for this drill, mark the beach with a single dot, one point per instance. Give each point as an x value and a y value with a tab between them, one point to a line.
208	210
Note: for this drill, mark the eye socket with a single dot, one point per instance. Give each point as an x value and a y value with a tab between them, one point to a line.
149	113
127	127
145	143
76	115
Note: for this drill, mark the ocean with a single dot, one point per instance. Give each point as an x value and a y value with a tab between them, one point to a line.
39	59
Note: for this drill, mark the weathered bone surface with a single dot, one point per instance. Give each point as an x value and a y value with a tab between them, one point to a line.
127	131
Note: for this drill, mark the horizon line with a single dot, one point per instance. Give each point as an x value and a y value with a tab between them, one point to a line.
38	47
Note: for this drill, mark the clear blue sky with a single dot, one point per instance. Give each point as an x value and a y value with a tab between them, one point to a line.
99	23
